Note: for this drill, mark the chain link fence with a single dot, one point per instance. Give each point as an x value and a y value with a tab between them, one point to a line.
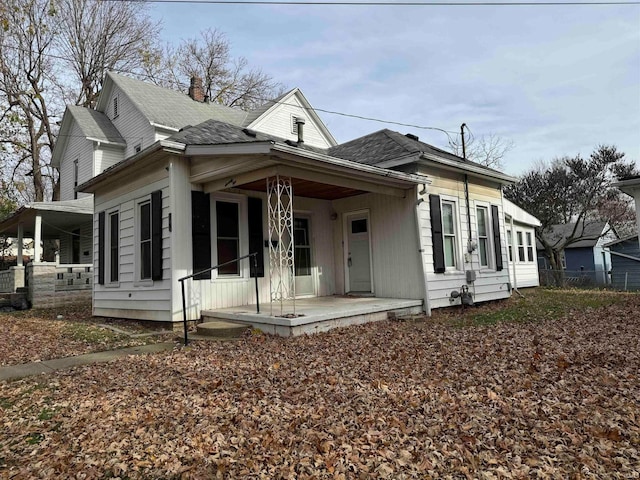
628	280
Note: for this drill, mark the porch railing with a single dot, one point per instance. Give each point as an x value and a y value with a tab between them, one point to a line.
183	279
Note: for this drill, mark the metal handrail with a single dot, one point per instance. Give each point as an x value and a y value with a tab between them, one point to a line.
181	280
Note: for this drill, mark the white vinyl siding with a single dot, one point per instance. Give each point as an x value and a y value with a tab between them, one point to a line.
130	298
86	243
106	157
489	284
395	251
80	149
280	120
131	124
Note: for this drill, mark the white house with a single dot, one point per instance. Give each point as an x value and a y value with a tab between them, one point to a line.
631	186
383	222
521	241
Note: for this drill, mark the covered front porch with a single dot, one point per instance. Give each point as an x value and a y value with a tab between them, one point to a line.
317	314
61	275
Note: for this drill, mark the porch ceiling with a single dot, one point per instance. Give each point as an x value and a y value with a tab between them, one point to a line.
54	223
309	188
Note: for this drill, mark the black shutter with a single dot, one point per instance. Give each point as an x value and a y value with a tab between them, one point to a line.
101	247
201	233
156	235
255	235
496	236
436	233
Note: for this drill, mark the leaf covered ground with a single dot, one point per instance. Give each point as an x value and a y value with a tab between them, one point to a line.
35	335
455	397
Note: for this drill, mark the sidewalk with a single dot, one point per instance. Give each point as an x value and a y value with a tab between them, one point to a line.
13	372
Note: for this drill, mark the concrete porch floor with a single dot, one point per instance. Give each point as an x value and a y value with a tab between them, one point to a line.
316	314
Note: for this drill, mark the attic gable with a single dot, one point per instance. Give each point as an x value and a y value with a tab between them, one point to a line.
277	117
95	126
164	107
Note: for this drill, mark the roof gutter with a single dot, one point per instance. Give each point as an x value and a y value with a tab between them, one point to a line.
166	145
469	169
348	164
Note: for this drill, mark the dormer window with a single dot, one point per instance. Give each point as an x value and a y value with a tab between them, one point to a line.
115	107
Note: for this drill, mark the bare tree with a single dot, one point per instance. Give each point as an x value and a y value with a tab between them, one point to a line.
488	150
573	191
226	80
26	70
98	36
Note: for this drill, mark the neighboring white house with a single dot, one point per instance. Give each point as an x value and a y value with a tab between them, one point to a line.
631	186
521	241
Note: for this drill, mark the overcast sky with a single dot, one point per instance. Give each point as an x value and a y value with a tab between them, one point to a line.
555	80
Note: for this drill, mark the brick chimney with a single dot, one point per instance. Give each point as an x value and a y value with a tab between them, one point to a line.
196	92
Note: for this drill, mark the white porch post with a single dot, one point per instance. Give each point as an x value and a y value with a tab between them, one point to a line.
37	248
20	242
281	241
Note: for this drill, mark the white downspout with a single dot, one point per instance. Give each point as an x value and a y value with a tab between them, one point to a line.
425	288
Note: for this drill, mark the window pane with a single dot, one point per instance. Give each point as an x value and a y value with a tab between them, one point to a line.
114	238
449	252
227	219
482	222
227	251
483	252
145	260
301	231
447	218
303	261
521	254
359	226
145	221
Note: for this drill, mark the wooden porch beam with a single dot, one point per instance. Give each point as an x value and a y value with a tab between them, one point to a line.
236	181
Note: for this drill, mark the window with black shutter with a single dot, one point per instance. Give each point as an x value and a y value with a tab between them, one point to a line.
496	236
436	234
201	233
101	247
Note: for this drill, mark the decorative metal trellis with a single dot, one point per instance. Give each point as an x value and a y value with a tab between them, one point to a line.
281	243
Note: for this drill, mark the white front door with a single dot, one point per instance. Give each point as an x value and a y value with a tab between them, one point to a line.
302	247
358	254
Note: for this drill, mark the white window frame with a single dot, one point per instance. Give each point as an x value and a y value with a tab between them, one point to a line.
529	247
490	265
456	233
139	281
521	245
108	282
243	232
510	244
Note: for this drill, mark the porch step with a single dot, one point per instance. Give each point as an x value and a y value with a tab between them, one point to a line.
221	329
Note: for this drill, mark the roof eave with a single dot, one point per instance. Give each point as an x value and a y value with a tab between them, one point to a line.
93	184
473	170
367	170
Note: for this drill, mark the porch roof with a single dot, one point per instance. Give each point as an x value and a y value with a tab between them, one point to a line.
57	217
224	156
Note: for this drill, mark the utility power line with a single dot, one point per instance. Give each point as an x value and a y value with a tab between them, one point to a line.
391	4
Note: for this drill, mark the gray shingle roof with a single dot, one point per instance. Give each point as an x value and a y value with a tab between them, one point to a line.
385	145
589	236
95	124
214	132
171	108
